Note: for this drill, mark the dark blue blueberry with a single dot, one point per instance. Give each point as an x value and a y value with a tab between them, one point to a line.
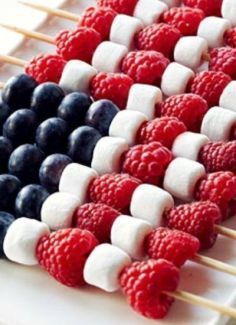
25	162
51	135
81	144
20	127
29	201
18	91
73	108
51	170
101	114
6	220
45	100
5	112
5	152
9	188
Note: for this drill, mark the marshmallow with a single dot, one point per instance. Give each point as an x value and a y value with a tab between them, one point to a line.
143	98
181	178
21	240
108	57
129	234
228	97
107	155
172	3
75	180
76	76
149	11
104	265
218	123
58	209
175	79
188	145
123	30
126	125
189	51
228	10
149	203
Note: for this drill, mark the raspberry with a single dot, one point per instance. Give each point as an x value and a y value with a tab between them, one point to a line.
210	8
158	37
145	66
185	19
114	190
63	254
113	86
97	218
144	282
164	130
210	85
188	108
147	162
197	219
46	67
230	37
79	44
99	19
223	59
121	6
219	188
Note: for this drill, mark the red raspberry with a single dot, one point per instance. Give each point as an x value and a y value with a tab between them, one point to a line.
113	86
210	7
145	66
223	59
99	19
114	190
97	218
197	219
63	254
46	67
121	6
188	108
144	282
219	188
79	44
230	37
164	130
147	162
210	85
185	19
158	37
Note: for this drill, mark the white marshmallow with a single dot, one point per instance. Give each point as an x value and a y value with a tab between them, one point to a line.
189	51
228	10
128	234
228	97
126	124
104	265
181	178
21	240
108	57
76	179
58	209
149	203
189	144
149	11
172	3
76	76
218	123
143	98
175	79
124	29
107	155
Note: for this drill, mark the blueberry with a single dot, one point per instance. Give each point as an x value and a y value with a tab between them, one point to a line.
51	135
73	108
29	201
25	162
45	100
6	220
5	152
20	127
101	114
9	188
51	170
81	144
18	91
5	111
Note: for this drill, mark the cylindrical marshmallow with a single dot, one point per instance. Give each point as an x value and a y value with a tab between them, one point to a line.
149	11
228	97
21	240
76	179
228	10
149	203
104	265
181	178
218	123
126	125
144	98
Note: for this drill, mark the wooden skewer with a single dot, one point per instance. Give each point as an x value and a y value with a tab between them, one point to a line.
1	85
214	264
13	60
227	232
